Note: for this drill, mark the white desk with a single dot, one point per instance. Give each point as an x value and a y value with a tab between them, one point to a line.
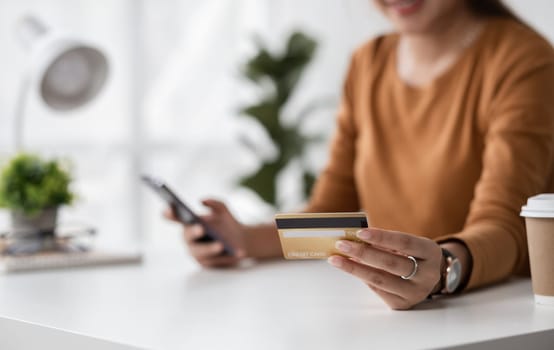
169	303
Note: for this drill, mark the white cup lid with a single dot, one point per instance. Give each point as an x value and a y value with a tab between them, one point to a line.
540	206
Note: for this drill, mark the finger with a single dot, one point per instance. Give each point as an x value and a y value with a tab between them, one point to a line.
376	278
210	219
192	233
215	205
239	253
395	302
169	214
384	260
396	241
205	250
219	261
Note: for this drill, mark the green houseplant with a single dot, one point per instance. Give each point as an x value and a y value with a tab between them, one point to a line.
33	189
276	76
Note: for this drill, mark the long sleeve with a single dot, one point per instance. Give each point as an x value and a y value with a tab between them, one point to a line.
517	163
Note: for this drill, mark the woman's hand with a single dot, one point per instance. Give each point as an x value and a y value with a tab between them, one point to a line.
382	258
208	254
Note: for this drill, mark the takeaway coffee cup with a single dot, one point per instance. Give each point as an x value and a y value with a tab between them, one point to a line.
539	221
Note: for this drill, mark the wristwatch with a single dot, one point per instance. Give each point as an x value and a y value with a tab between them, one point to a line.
451	274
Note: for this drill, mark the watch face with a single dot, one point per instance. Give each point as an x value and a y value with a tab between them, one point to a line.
453	275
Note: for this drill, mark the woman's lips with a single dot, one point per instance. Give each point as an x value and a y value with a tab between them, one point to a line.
405	7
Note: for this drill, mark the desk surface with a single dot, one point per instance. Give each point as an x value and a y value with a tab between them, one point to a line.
168	302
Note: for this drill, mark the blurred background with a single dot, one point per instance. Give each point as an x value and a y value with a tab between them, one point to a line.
171	104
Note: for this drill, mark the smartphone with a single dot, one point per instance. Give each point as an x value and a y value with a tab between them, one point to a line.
183	213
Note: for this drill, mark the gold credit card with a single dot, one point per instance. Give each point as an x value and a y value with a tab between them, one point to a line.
313	235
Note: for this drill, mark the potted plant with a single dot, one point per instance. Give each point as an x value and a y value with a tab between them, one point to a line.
33	189
276	76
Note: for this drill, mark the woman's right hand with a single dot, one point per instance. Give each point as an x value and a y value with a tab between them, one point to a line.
209	254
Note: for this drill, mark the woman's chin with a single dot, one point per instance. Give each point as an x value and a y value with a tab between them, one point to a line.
411	27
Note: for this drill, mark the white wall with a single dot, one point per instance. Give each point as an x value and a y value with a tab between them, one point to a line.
537	13
191	50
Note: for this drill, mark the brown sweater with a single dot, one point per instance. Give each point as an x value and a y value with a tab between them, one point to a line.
455	159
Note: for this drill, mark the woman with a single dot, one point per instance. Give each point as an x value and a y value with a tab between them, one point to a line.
444	130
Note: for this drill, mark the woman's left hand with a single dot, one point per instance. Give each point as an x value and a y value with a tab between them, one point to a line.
383	257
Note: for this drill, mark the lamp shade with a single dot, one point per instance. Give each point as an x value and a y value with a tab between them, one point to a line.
73	78
68	72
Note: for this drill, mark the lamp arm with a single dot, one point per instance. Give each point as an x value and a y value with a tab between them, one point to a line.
20	109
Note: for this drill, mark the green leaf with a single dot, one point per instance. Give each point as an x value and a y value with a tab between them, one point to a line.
263	181
287	84
262	65
30	184
266	113
300	45
291	144
309	180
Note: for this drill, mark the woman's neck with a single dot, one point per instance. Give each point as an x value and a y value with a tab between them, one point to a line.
446	37
424	56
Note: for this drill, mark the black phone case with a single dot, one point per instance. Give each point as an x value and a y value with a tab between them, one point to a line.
184	213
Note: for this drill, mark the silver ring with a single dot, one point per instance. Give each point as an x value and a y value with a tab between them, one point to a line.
414	271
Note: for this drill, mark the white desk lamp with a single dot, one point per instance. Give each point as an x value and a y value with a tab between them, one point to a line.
67	72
